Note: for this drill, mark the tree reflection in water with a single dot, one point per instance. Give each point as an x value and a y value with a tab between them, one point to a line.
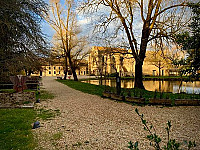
162	86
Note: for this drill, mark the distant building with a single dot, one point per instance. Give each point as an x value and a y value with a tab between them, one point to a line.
52	70
105	60
57	69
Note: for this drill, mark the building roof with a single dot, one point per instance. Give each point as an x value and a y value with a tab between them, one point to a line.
109	49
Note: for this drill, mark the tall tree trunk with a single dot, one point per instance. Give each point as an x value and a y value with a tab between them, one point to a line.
72	68
66	68
29	72
139	60
138	75
74	74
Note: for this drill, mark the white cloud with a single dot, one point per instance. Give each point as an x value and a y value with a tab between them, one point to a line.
84	21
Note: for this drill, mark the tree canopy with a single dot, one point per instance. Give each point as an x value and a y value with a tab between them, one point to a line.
190	41
21	42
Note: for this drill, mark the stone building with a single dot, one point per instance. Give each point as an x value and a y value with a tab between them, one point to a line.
57	69
52	70
105	60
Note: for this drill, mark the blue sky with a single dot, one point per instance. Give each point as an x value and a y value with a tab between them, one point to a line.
46	28
87	23
49	32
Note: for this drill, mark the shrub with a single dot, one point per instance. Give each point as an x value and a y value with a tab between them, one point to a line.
155	140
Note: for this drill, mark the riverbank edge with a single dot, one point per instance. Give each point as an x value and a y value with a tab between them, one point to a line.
151	78
100	90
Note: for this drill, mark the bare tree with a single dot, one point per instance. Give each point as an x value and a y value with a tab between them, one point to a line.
159	58
159	20
64	21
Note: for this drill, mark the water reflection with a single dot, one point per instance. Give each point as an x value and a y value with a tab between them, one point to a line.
166	86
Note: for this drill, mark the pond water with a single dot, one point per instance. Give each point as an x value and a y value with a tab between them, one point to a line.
165	86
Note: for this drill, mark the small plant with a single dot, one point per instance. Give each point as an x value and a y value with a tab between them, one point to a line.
122	94
161	95
193	96
133	147
135	94
141	93
129	94
179	96
155	140
27	102
57	136
155	94
47	114
44	95
167	96
113	90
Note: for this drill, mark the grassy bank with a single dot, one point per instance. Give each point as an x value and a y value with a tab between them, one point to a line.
16	125
99	89
157	95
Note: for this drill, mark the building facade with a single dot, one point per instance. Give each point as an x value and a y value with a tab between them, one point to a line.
105	60
57	70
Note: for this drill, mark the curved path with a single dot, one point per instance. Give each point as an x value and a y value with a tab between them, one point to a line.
91	122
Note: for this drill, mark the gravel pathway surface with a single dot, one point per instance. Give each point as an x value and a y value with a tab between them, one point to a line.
91	122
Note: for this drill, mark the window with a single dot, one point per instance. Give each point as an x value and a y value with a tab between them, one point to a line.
49	72
49	68
154	72
59	72
59	68
54	72
54	68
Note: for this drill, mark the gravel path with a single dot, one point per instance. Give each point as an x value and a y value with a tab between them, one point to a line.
91	122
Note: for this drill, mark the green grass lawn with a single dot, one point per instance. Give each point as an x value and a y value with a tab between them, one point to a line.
16	125
99	89
84	87
15	129
44	95
7	90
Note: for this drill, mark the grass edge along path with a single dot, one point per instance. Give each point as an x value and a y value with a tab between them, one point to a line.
84	87
16	125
